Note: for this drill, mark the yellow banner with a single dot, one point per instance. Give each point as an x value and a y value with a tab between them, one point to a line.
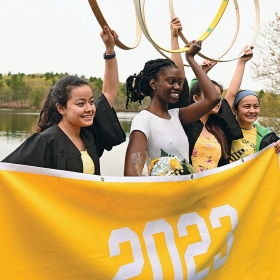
221	224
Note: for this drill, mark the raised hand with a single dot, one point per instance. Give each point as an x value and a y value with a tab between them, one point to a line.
175	27
207	65
247	52
108	36
194	48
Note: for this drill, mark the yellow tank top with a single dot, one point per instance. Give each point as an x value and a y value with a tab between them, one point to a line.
245	146
88	164
206	153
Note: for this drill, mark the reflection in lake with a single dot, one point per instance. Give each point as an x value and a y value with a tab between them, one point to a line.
18	124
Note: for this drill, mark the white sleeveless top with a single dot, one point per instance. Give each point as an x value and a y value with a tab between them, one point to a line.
164	134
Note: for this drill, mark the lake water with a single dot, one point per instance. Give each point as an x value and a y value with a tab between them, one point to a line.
17	124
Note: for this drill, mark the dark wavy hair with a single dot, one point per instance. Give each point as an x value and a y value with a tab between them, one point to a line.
138	85
211	124
196	90
60	93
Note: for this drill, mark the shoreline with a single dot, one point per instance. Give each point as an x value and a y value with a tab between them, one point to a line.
28	107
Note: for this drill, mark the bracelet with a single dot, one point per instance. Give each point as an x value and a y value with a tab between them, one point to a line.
109	56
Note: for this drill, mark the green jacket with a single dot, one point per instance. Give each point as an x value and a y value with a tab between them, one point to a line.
265	136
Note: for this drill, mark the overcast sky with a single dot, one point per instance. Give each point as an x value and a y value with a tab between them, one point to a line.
63	35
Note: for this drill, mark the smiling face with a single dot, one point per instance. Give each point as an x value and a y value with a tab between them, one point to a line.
247	111
80	109
168	86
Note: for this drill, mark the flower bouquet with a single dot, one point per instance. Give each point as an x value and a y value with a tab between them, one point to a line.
165	165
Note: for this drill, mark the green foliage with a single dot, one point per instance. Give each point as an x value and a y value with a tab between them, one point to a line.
269	111
18	88
37	98
49	75
53	81
98	83
164	154
92	79
28	91
269	105
261	93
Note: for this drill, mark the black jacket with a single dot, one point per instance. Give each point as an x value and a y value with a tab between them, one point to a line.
224	118
226	121
53	149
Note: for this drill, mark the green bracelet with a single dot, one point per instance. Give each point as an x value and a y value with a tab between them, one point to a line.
109	56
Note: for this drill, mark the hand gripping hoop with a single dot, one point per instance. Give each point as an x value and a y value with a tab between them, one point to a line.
101	20
256	30
142	27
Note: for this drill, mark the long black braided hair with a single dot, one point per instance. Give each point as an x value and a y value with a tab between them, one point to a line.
138	85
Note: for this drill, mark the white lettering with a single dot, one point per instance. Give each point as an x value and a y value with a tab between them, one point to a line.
215	215
132	269
197	248
158	227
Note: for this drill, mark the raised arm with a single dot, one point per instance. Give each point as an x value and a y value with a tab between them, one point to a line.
236	80
111	75
175	27
211	97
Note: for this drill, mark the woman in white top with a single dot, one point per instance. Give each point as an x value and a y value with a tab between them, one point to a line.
156	127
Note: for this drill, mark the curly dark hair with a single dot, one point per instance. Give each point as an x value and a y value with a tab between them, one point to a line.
60	94
138	85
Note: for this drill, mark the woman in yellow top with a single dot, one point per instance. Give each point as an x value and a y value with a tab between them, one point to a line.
246	106
210	138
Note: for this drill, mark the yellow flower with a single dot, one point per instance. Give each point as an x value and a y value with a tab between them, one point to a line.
174	163
153	161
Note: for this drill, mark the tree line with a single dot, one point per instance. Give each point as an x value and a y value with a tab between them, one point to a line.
28	91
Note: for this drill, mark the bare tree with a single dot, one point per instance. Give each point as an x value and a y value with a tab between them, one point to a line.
266	63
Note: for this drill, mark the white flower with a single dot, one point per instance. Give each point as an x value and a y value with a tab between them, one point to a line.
162	167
